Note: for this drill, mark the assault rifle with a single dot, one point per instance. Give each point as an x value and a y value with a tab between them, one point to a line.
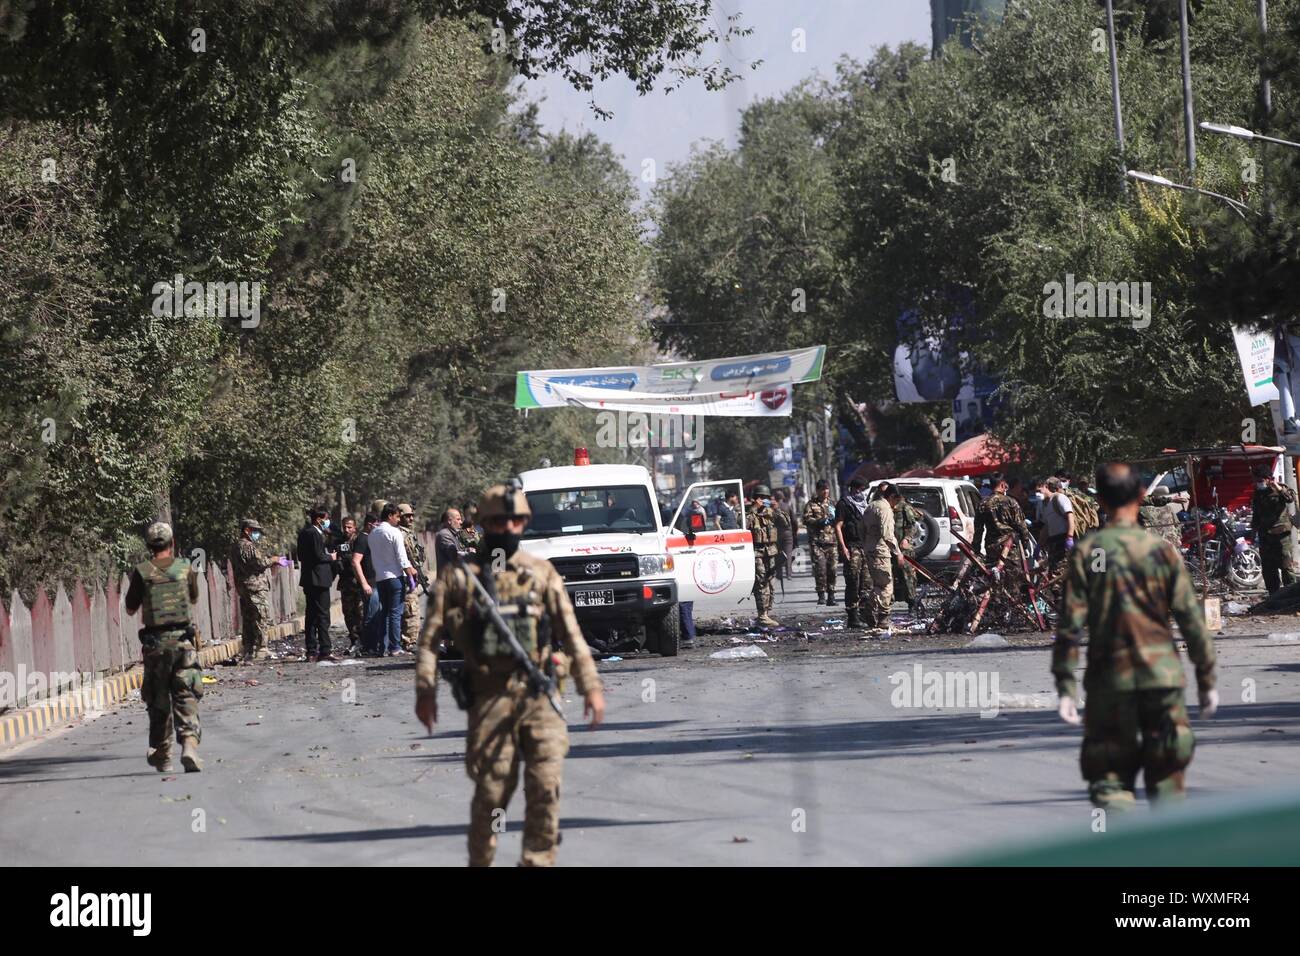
538	682
422	579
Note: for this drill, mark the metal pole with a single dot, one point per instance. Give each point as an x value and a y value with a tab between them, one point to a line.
1279	335
1188	121
1265	88
1114	92
1200	541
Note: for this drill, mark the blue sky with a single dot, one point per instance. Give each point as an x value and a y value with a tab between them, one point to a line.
664	126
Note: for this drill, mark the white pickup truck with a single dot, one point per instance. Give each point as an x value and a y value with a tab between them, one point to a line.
624	570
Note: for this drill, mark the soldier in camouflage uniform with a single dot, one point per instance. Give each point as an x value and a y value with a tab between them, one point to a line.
848	536
819	519
162	589
1268	519
249	563
906	518
784	540
761	520
351	595
1123	583
507	722
880	548
470	534
998	518
411	600
1159	515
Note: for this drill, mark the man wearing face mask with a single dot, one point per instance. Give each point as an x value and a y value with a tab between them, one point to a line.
850	538
762	527
1268	519
509	723
317	564
249	563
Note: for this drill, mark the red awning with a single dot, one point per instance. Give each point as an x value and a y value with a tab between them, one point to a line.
975	456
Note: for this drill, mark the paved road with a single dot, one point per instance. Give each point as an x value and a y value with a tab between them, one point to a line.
701	762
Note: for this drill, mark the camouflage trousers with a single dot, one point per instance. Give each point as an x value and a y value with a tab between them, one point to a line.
764	572
171	687
411	618
504	728
1128	731
823	565
1011	574
905	582
877	604
857	580
255	618
1275	556
353	600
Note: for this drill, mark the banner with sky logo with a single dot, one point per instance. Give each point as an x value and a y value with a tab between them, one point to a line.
744	386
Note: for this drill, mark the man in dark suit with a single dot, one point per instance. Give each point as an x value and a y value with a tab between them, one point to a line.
317	564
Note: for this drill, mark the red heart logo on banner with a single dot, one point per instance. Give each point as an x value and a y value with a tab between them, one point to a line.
774	398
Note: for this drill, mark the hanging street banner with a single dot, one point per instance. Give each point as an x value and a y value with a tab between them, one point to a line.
741	403
1256	349
744	386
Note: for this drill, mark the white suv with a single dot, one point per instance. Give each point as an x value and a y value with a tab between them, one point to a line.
946	504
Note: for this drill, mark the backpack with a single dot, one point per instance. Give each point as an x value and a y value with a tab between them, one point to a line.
1086	517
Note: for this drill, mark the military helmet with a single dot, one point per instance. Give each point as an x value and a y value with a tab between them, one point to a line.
762	491
158	534
503	501
377	506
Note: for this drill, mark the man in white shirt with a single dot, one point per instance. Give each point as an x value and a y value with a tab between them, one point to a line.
393	576
1058	516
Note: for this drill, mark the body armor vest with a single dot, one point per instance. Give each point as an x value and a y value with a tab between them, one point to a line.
520	601
166	600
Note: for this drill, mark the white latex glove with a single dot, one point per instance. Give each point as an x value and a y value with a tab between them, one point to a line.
1068	709
1209	703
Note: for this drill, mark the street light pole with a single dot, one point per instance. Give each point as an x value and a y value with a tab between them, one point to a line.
1265	87
1240	132
1238	207
1114	89
1280	338
1188	121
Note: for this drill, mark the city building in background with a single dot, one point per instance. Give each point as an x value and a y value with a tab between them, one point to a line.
949	18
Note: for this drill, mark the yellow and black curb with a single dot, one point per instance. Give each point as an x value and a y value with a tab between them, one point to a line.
38	718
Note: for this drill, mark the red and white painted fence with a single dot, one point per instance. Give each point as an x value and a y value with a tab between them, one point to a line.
86	633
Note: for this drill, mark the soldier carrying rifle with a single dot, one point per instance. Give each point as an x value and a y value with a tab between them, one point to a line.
508	614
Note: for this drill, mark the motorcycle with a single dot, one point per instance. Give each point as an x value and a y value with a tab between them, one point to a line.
1231	550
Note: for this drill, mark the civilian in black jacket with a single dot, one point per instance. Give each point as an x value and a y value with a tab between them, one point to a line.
317	564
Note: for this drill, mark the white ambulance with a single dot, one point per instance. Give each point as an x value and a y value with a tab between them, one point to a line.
624	569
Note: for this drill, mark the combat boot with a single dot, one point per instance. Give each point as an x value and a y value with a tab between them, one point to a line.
821	597
160	758
854	620
830	599
768	621
190	755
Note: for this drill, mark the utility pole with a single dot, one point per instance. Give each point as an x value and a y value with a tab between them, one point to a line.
1279	335
1188	120
1114	93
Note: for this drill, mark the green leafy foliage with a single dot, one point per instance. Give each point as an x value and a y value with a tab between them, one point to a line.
415	241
